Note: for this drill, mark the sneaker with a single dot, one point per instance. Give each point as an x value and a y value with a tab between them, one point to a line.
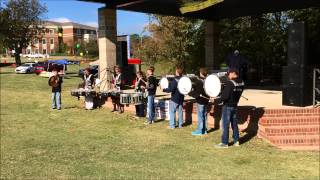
169	127
54	108
221	145
148	122
114	110
236	144
196	133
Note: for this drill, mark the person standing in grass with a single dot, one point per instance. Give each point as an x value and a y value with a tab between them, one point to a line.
139	86
55	82
151	87
176	101
117	86
229	98
202	107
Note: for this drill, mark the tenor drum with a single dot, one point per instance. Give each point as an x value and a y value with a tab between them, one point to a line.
75	92
137	98
125	99
90	92
165	81
190	85
213	84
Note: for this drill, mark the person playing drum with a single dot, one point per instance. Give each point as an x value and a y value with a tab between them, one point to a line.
202	107
88	80
139	86
176	101
230	96
117	86
55	82
151	87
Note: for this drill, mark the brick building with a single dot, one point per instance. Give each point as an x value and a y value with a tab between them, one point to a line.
56	34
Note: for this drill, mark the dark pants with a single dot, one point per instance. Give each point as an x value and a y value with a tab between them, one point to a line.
229	116
140	110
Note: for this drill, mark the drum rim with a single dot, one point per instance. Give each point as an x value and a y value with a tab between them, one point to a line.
204	84
167	82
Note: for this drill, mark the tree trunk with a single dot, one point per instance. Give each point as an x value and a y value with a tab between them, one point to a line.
17	56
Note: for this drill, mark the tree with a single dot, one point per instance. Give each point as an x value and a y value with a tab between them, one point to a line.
20	23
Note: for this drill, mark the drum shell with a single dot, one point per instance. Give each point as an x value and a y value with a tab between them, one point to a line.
137	98
214	85
165	82
75	92
125	98
196	86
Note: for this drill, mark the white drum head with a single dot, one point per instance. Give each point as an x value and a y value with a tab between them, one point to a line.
184	85
212	85
97	82
164	83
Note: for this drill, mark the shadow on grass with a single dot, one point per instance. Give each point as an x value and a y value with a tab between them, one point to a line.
245	114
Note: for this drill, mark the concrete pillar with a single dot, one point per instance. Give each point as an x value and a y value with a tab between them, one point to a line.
211	45
107	45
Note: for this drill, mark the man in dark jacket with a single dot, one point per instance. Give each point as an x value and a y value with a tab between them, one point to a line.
238	62
229	98
55	81
202	107
176	102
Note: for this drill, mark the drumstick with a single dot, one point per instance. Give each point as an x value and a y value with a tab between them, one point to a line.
245	98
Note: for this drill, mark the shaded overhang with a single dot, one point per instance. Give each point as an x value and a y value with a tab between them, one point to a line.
209	9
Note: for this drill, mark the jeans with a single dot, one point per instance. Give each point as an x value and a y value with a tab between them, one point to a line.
151	108
172	111
56	100
202	118
140	110
229	115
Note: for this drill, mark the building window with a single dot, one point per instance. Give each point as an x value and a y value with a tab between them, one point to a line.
51	41
36	51
44	51
78	31
44	41
51	31
36	41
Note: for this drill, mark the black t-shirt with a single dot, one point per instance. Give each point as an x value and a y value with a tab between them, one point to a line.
58	88
152	85
202	100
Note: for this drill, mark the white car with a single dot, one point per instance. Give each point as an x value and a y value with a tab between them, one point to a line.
26	68
35	55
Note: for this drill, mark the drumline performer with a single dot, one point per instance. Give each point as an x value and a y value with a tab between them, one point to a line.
117	86
139	86
202	107
176	101
230	96
88	80
55	82
151	87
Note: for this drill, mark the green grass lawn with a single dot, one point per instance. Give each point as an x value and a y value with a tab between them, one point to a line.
40	143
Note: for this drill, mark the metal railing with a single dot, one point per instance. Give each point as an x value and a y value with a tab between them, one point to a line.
316	87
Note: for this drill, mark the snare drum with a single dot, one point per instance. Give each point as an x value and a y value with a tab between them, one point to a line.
90	92
165	81
75	92
137	98
125	98
104	93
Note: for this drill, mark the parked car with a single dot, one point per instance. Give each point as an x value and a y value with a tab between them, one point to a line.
41	66
94	70
26	68
35	55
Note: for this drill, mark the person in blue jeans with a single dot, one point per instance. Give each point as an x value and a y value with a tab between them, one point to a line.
202	107
55	82
151	87
229	98
176	101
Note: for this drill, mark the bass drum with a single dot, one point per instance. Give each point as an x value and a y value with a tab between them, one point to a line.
213	84
190	85
165	81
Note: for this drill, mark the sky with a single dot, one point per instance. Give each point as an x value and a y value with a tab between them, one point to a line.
87	13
